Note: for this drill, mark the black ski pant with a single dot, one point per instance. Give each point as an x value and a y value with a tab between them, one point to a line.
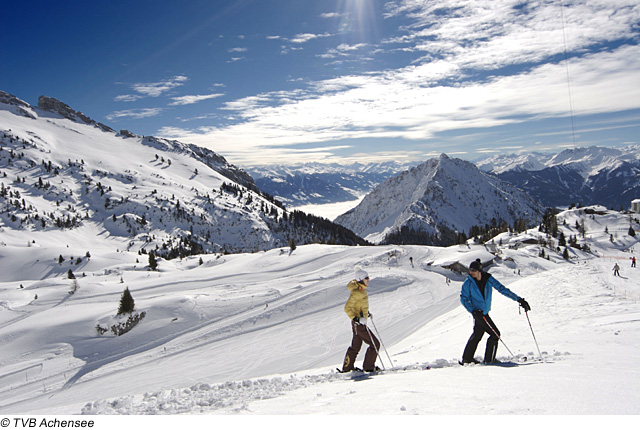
361	334
482	325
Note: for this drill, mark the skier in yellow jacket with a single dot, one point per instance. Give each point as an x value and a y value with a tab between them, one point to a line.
357	308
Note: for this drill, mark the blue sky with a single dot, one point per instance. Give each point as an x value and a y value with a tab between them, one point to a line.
287	81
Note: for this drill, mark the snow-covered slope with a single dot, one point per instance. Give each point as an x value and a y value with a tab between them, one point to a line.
262	333
440	194
61	170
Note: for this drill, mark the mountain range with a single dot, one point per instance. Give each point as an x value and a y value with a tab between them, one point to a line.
443	197
64	170
317	183
61	170
582	176
579	176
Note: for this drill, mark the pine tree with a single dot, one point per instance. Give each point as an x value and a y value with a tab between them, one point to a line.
562	240
127	304
153	263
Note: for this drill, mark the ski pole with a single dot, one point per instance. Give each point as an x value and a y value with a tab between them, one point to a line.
381	343
533	334
496	333
374	346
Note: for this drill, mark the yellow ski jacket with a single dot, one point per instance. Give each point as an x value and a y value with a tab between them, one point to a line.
358	303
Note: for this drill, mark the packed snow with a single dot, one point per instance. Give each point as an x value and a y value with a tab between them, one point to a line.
263	333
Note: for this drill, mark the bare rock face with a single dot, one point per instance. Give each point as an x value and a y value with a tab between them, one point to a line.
19	106
126	133
53	105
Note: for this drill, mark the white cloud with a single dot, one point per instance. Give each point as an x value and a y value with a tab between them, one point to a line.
135	113
343	50
127	98
484	64
344	47
191	99
156	89
408	104
331	15
489	34
305	37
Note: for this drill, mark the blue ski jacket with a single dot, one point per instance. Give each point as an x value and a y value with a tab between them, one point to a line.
472	299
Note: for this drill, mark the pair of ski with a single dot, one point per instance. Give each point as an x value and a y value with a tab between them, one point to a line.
520	362
358	374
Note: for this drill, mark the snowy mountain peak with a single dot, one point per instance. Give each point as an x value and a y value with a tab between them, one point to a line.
437	199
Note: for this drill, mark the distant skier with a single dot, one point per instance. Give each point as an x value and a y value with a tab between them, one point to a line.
411	260
357	308
476	298
616	270
633	261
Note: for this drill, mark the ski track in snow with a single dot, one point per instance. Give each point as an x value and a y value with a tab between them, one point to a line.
204	398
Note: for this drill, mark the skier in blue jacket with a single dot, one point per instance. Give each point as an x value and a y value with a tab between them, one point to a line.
476	298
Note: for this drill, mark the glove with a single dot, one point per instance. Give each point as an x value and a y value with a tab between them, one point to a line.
524	304
478	313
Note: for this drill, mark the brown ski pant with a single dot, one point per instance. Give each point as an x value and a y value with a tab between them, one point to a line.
361	334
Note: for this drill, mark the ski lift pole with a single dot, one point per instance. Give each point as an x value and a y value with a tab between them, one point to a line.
533	334
497	335
382	343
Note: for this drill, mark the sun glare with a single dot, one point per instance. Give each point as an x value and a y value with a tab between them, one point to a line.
359	20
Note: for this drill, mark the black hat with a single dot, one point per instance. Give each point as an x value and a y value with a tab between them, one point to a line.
475	265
